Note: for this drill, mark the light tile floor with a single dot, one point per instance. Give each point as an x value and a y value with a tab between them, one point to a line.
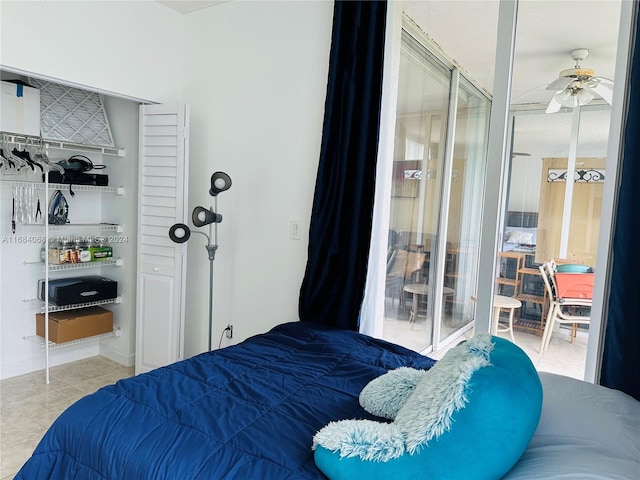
561	357
28	405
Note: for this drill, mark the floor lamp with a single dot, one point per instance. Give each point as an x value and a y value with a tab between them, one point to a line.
180	233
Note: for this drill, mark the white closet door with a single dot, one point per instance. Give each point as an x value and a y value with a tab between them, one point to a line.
162	201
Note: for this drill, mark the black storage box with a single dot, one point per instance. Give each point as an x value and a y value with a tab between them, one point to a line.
79	178
76	290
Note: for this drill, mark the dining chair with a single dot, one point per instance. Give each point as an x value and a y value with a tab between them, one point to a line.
561	310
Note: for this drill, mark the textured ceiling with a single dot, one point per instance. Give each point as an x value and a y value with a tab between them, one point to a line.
188	6
546	32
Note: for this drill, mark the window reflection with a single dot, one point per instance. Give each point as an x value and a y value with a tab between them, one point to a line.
426	205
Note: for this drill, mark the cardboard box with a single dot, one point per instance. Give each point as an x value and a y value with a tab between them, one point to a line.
575	285
20	109
74	324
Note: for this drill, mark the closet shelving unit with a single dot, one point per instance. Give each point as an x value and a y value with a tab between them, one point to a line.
51	346
29	140
73	266
20	141
61	186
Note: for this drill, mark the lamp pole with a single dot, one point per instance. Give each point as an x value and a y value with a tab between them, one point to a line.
180	232
211	252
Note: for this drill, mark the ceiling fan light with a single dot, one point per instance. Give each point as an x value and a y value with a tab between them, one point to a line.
566	98
573	97
583	97
578	86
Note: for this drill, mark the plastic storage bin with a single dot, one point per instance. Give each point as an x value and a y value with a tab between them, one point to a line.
573	268
20	112
575	285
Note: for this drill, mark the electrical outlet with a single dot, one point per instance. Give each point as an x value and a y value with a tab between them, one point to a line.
229	331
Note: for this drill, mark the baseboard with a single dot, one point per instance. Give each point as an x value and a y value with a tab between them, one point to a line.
58	356
128	360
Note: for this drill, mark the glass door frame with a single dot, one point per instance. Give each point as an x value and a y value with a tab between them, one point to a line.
595	345
372	314
443	223
373	302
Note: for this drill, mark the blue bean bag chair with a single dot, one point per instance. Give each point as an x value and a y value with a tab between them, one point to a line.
470	416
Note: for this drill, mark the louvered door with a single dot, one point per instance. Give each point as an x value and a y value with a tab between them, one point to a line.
162	200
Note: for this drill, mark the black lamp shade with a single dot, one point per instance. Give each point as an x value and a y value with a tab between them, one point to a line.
179	233
220	182
202	216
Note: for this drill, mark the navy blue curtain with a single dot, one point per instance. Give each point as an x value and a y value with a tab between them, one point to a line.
621	358
341	218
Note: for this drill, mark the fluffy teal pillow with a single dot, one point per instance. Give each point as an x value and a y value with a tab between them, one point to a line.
470	416
386	395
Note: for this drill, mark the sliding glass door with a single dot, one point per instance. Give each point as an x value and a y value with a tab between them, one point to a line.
436	194
464	209
566	207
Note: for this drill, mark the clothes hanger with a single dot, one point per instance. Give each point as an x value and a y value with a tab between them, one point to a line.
12	160
27	158
5	163
39	155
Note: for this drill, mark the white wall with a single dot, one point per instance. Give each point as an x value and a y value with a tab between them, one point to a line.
129	47
255	77
134	49
524	189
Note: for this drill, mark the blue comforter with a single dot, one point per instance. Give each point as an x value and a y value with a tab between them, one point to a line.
247	412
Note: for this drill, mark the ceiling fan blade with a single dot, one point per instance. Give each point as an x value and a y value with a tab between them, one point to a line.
602	90
604	81
560	83
554	106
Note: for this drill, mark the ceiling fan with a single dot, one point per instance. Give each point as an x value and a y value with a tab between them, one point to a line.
577	86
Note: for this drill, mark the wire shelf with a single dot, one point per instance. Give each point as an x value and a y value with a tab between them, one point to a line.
72	266
60	308
85	188
63	186
41	341
20	140
105	227
113	151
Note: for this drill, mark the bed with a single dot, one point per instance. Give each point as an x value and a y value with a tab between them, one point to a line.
250	411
